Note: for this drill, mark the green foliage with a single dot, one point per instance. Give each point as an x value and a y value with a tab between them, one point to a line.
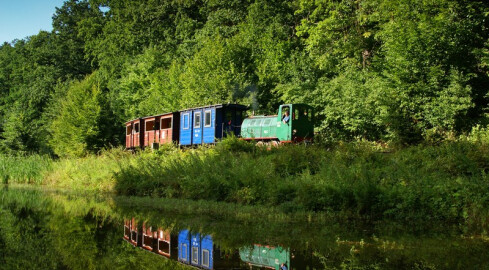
79	119
397	71
354	105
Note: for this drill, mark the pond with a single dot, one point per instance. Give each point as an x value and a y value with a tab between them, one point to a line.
53	229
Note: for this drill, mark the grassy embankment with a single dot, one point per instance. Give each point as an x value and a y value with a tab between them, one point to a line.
446	182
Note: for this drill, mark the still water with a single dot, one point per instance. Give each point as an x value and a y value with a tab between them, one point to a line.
49	229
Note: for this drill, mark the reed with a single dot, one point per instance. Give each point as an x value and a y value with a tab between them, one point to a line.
24	169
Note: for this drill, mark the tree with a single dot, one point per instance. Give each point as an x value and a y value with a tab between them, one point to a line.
75	131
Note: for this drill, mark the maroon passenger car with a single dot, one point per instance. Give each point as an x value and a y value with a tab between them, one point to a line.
152	130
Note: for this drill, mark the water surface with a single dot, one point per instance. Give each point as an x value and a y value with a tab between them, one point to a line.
49	229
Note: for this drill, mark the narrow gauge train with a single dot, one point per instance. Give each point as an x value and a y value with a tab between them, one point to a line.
206	125
193	249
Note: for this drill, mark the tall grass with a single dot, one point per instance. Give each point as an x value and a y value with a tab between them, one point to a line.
93	172
24	170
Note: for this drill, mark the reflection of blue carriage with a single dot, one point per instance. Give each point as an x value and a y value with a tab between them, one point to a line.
199	251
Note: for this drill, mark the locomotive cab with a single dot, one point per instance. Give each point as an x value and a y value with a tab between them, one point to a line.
295	123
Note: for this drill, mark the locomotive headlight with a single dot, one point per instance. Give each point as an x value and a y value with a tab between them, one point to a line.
294	131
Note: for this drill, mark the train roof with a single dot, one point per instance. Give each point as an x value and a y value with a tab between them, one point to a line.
261	116
146	117
237	106
232	105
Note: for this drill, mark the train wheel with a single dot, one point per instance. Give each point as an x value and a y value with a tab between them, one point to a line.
260	144
274	144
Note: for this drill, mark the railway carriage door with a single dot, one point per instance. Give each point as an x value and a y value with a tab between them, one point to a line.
228	121
136	136
166	128
209	129
129	135
149	132
195	258
197	124
184	246
186	133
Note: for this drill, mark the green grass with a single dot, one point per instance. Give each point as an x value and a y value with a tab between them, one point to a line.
446	183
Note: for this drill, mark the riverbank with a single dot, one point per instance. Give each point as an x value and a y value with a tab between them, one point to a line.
445	183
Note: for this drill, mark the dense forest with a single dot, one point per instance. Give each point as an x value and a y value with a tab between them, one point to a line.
403	71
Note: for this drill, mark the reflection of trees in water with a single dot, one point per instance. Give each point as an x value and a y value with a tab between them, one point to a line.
59	230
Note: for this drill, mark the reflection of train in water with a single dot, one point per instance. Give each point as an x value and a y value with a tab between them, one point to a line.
200	251
159	241
273	257
188	248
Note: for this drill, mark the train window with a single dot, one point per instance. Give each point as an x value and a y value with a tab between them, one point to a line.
207	118
186	121
136	128
195	255
164	247
184	252
128	130
285	109
165	123
228	116
149	125
266	122
197	120
205	258
307	114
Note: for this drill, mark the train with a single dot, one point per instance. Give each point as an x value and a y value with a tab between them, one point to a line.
208	124
201	251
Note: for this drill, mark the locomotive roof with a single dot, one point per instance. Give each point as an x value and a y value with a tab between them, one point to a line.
262	116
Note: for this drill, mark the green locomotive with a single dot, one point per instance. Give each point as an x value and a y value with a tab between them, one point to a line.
293	123
265	256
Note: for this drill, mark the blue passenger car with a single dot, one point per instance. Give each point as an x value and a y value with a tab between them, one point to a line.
195	250
199	251
184	247
205	125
